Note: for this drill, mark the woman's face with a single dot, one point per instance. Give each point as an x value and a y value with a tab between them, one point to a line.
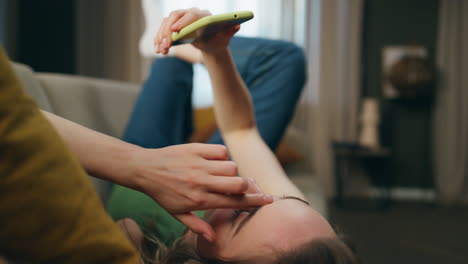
256	234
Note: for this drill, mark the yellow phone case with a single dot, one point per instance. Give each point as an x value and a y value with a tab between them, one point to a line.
210	25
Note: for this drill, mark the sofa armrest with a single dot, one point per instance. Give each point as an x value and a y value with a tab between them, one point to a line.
101	105
98	104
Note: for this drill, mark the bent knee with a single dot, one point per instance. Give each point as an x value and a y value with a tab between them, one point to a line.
289	52
295	52
290	56
294	63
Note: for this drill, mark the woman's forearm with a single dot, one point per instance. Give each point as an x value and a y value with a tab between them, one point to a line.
234	108
235	117
102	156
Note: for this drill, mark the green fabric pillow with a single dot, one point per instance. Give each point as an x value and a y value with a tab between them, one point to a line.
150	216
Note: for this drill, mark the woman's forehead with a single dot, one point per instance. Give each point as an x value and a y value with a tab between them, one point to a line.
285	218
274	228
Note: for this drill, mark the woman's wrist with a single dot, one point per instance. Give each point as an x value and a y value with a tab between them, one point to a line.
216	55
187	53
117	164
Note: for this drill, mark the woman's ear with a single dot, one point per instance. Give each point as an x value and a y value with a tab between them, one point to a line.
133	232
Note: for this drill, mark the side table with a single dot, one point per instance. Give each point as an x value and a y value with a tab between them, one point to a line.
348	154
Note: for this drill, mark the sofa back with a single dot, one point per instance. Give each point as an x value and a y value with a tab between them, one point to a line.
98	104
32	86
101	105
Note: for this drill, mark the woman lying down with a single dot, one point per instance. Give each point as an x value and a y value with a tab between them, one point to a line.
285	231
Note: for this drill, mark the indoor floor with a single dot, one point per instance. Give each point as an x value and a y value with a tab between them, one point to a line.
406	233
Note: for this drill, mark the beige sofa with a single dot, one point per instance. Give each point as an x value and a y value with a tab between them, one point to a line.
105	106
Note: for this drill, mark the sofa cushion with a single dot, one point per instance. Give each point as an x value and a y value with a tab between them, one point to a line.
32	86
98	104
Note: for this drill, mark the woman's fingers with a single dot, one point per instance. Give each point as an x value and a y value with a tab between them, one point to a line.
157	39
165	31
197	225
226	185
238	201
175	22
211	151
221	167
192	15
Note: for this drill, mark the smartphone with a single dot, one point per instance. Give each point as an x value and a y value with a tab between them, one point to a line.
208	26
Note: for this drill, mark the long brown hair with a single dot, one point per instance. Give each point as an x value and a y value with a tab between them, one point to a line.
335	250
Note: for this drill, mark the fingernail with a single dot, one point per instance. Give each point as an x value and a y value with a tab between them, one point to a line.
276	198
268	198
165	43
207	237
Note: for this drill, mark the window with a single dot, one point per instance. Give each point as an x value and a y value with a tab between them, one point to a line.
279	19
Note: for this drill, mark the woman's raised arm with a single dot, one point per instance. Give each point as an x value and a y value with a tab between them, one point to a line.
235	118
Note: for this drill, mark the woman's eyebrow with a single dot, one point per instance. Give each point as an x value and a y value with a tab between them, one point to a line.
242	223
295	198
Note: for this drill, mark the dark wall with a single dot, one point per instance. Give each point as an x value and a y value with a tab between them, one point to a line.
7	32
2	22
406	126
46	35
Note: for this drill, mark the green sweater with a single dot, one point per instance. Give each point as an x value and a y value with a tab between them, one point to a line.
149	215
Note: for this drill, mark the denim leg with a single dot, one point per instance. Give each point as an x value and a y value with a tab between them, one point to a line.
274	72
162	115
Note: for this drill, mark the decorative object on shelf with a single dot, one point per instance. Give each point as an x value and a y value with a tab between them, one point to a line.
369	127
412	76
407	73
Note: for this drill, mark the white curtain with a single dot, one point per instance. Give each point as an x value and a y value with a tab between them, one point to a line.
276	19
451	109
330	104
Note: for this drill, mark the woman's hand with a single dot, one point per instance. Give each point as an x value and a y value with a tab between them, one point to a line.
179	19
181	178
176	20
189	177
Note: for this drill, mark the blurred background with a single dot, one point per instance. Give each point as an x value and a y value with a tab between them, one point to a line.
383	119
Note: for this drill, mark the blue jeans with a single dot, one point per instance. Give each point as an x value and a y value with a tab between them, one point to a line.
274	72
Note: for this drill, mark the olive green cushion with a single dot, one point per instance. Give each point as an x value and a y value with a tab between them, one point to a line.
49	211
